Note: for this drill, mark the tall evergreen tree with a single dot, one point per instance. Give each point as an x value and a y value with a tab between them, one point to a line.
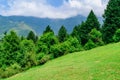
111	20
62	34
75	33
32	36
91	23
48	29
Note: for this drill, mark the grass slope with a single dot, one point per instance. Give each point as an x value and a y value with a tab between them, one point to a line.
102	63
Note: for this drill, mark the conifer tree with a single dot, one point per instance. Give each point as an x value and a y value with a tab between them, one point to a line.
91	23
75	33
48	29
111	20
62	34
32	36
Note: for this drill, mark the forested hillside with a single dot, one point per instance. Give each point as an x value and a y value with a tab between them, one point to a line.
96	64
19	53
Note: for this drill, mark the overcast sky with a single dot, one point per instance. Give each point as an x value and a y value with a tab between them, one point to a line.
52	8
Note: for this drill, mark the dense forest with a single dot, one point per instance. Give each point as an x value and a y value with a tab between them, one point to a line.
19	53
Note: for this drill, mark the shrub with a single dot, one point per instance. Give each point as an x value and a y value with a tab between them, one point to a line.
44	59
89	45
96	37
71	45
27	54
45	42
116	36
9	71
75	45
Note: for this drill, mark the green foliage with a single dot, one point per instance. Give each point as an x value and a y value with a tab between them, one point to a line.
39	56
76	33
116	36
85	28
74	44
45	42
92	21
82	33
70	45
27	56
111	20
17	54
48	29
9	71
10	47
102	63
32	36
44	59
60	49
89	45
96	37
62	34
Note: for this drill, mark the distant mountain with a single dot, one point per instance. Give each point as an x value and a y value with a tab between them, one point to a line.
23	24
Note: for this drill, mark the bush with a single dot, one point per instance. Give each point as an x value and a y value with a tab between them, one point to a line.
96	37
9	71
116	36
40	55
42	48
44	59
27	56
89	45
75	45
71	45
45	42
60	49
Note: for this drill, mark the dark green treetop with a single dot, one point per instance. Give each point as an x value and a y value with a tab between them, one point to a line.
111	20
85	28
32	36
62	34
48	29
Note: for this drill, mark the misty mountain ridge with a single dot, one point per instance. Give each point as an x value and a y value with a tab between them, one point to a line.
23	24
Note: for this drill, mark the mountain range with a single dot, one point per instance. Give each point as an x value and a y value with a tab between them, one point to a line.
23	24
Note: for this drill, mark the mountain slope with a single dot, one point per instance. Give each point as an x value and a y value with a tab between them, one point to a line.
102	63
39	24
7	25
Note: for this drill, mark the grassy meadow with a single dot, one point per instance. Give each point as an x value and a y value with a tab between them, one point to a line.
101	63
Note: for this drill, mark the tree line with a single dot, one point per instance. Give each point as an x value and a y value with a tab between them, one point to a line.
19	53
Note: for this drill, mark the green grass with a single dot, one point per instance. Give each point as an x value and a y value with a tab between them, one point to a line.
102	63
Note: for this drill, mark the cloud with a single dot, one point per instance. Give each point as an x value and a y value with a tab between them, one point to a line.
41	8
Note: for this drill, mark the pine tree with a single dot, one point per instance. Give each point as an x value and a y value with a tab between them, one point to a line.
83	34
111	20
91	23
48	29
62	34
75	33
32	36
